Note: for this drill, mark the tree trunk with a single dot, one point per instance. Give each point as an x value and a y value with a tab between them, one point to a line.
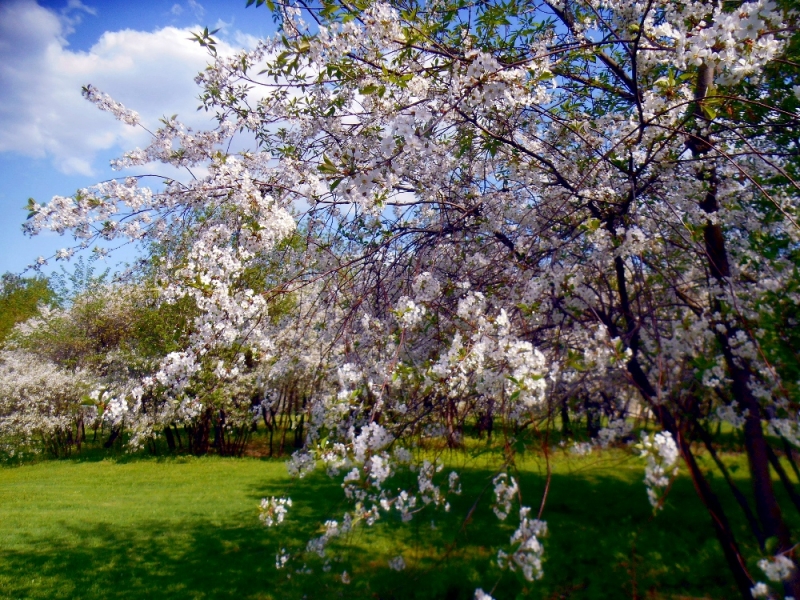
755	527
719	520
170	438
202	431
219	433
566	429
787	483
667	421
767	507
115	431
592	418
298	432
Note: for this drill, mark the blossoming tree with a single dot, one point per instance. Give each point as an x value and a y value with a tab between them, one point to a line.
494	210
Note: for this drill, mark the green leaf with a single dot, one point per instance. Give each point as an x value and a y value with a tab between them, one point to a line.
771	544
368	89
709	112
591	225
327	166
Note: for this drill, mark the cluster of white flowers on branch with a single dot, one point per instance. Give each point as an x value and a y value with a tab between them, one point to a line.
527	555
41	403
661	453
528	549
107	103
273	511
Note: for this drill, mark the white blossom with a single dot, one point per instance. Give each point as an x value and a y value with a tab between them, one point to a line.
273	510
776	568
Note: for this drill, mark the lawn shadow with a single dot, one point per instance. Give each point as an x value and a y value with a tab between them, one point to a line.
604	543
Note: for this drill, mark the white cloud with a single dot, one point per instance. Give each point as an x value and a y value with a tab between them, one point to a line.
42	113
245	40
73	5
197	8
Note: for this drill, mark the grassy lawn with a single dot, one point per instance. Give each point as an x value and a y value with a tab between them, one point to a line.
188	528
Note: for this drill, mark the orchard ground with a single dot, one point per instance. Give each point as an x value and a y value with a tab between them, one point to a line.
95	526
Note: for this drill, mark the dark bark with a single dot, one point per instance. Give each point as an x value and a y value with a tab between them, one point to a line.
219	432
298	432
115	431
719	521
566	428
201	433
787	448
271	435
767	507
170	438
737	493
787	483
592	418
667	421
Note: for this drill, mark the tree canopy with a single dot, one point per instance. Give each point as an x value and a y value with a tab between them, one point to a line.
20	299
511	211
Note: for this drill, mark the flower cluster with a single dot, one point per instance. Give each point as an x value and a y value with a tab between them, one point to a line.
528	549
661	453
505	490
273	510
776	568
106	103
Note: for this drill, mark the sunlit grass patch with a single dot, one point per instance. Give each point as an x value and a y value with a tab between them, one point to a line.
189	528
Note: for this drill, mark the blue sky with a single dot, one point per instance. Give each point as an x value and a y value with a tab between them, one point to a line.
52	141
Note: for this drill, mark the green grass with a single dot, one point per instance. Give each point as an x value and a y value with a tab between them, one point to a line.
188	528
